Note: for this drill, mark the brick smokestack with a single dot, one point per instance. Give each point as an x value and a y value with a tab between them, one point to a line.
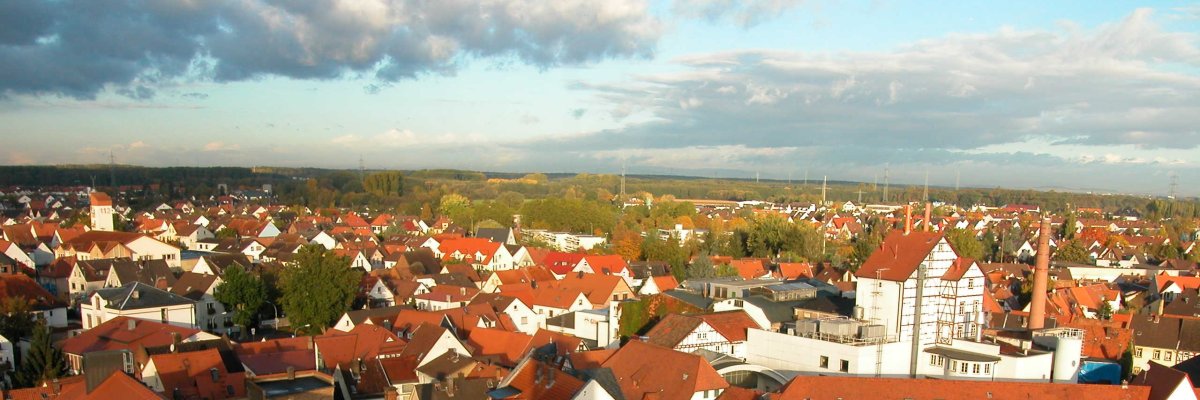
926	222
907	219
1041	278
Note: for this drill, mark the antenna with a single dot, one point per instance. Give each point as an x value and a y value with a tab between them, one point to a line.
824	184
1174	185
362	168
755	176
806	178
925	194
112	169
887	169
623	180
957	175
860	193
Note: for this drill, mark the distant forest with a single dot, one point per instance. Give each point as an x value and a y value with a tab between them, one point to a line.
420	192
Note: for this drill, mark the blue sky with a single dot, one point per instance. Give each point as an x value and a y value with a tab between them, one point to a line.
1085	95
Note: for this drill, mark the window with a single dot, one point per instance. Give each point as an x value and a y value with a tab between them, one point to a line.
1167	356
163	315
953	365
845	366
524	320
824	362
1137	352
962	367
970	283
702	336
975	368
1157	354
216	376
987	368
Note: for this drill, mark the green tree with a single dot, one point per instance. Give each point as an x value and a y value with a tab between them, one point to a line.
965	244
1067	231
1071	251
701	268
389	183
318	288
455	206
1106	311
243	293
726	270
43	362
15	320
225	233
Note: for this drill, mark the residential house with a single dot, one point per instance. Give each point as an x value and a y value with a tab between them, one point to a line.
138	300
101	244
125	334
210	313
721	332
205	374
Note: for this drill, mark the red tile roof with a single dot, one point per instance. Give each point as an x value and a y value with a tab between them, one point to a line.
99	199
116	335
505	347
191	373
899	256
645	369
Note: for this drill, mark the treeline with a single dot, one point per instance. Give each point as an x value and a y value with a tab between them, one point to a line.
125	175
413	191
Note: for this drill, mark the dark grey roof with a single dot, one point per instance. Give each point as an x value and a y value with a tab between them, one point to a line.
775	311
828	304
564	320
98	365
646	269
694	299
147	271
607	381
1167	333
138	295
219	262
498	235
453	279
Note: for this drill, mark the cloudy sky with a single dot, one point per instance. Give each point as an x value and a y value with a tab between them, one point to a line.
1084	95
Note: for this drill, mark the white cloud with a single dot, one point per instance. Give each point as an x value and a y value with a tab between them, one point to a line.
221	146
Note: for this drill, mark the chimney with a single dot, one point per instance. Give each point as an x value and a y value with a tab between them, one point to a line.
1041	278
926	222
131	323
135	294
390	393
175	341
291	373
907	219
517	227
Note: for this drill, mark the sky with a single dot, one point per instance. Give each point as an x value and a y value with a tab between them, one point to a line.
1079	95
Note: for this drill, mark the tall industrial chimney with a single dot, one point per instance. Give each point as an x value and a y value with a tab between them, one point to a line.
925	223
907	219
1041	278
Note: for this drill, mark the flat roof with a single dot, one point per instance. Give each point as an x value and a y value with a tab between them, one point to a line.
962	355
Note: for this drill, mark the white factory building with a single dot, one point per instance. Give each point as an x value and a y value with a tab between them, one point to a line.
918	313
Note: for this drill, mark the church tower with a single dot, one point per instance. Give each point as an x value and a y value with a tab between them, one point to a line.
102	211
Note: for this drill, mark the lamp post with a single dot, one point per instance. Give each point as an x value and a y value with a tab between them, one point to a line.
276	315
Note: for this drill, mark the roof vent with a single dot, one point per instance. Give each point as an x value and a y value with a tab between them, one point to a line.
135	294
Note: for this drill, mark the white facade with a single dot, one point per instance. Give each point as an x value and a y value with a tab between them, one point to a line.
102	217
6	353
96	312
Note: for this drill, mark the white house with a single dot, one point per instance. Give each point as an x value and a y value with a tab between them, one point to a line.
101	211
138	300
